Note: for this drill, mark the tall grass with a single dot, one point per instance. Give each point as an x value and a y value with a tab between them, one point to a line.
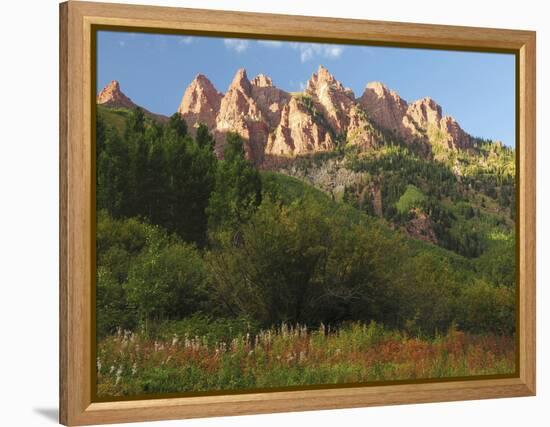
130	363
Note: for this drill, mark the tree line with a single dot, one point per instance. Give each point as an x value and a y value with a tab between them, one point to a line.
181	233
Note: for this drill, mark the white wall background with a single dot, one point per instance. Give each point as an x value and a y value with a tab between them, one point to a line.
29	200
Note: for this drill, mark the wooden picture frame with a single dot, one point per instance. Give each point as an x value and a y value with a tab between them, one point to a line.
77	20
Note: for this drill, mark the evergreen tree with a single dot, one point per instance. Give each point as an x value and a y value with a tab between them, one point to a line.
156	185
192	176
136	121
112	173
238	189
177	124
204	137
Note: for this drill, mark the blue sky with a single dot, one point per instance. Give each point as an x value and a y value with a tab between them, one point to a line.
477	89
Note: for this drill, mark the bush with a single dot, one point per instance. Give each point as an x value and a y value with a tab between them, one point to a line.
486	308
167	282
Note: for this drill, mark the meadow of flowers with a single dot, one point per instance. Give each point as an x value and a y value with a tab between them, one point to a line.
133	363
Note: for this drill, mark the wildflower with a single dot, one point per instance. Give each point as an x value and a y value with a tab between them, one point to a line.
134	368
175	340
112	369
118	375
98	364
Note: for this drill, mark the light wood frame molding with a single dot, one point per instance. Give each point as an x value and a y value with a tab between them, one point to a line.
76	214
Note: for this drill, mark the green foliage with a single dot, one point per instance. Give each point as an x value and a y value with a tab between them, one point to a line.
289	189
309	260
485	307
112	171
156	172
237	190
462	210
193	174
190	245
429	292
112	309
118	243
203	137
178	125
411	198
166	282
143	273
279	255
498	263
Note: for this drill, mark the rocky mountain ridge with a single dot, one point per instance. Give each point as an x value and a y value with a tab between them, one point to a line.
112	97
279	124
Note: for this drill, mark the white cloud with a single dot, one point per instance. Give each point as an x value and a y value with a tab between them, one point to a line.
185	40
309	51
270	43
333	51
238	45
121	43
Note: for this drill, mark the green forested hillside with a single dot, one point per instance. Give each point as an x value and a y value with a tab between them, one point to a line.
192	246
460	201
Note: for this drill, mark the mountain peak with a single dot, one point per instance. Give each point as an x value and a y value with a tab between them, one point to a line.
385	107
261	80
321	80
425	111
240	81
202	79
113	85
378	87
323	72
324	75
200	102
112	96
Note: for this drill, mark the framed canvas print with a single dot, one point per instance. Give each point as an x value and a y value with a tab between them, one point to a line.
266	213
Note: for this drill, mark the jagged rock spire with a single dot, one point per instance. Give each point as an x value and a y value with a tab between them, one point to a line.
112	96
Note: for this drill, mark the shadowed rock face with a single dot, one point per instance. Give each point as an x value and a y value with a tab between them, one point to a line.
331	98
277	123
298	133
385	107
270	99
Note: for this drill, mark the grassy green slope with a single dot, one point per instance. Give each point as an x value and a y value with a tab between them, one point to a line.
115	117
290	189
